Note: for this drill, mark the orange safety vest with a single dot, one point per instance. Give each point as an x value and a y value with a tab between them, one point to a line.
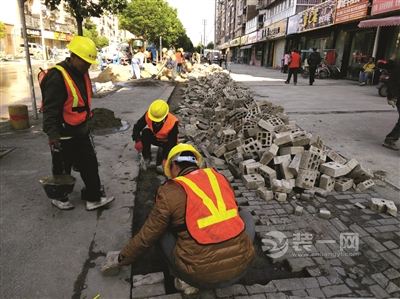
75	111
162	135
211	210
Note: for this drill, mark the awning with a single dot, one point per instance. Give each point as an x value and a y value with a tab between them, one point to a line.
245	47
389	21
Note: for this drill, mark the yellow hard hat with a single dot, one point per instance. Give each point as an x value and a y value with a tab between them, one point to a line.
174	153
83	47
164	50
158	110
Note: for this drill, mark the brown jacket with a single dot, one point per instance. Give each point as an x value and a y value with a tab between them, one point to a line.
202	263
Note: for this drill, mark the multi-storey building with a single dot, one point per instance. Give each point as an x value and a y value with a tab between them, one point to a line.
346	32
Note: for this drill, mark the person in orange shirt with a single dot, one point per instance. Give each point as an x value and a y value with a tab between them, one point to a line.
158	127
180	59
294	66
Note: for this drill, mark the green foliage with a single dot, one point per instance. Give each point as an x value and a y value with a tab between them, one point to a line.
2	30
185	43
210	45
82	9
199	48
152	19
90	31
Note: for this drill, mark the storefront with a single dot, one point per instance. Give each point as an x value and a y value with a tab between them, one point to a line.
234	50
275	34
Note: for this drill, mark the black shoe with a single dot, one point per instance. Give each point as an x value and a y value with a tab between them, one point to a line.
286	82
390	144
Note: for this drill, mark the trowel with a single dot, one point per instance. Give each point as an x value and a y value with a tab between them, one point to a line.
142	163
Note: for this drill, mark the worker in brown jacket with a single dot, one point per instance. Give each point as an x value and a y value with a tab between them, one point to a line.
207	242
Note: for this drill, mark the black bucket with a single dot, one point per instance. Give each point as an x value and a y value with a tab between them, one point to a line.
58	186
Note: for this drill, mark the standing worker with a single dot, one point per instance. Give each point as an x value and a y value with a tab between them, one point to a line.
206	241
158	127
67	93
393	98
294	66
314	59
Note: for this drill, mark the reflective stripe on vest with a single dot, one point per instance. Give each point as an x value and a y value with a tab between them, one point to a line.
162	135
211	210
75	111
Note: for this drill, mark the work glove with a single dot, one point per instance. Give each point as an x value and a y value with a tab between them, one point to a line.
392	102
138	146
55	145
111	265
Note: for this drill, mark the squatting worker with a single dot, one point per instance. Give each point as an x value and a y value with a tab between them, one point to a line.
66	92
158	127
205	240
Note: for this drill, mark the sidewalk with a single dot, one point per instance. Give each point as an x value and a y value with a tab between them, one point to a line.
48	253
351	119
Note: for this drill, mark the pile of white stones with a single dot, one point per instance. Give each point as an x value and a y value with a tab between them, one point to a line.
255	140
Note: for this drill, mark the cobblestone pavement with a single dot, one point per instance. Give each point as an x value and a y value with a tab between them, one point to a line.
351	252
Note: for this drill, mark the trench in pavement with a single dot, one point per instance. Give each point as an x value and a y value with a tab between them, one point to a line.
262	270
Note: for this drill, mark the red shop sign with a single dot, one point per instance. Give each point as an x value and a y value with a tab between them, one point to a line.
381	6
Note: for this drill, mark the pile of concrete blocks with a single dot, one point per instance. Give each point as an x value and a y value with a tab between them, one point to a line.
260	144
383	206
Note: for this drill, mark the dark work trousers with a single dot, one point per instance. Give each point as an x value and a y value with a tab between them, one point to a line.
167	244
148	139
312	69
395	133
293	71
79	152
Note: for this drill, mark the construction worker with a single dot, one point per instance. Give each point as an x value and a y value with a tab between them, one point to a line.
158	127
67	92
206	241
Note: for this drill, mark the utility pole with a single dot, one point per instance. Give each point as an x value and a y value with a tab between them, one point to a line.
28	58
204	33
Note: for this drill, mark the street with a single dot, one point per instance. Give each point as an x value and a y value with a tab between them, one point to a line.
48	253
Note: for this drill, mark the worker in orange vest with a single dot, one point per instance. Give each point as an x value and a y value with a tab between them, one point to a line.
195	218
67	93
158	127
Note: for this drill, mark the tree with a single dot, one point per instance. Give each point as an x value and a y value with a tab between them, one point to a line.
90	31
185	43
82	9
152	19
2	30
210	45
199	48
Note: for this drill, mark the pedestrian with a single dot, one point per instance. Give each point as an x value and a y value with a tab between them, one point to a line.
137	62
179	60
158	127
205	240
314	59
294	66
393	98
54	52
67	92
367	71
286	59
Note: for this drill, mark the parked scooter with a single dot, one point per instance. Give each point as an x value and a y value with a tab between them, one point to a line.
383	83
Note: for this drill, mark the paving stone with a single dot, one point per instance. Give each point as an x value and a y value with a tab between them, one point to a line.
151	278
335	290
276	296
258	296
145	291
310	282
380	279
340	271
367	280
258	288
390	244
357	229
364	293
391	259
374	244
392	273
233	290
339	225
316	293
391	288
171	296
351	283
323	281
289	284
378	291
299	293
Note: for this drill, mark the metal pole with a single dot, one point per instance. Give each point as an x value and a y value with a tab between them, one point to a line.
28	58
378	31
160	49
204	32
44	51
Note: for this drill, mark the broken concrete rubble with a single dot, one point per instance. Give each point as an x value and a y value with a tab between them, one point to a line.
262	146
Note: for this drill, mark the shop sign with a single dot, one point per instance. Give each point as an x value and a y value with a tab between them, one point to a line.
235	42
381	6
62	36
243	39
320	15
276	30
48	34
261	35
252	38
32	32
348	10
